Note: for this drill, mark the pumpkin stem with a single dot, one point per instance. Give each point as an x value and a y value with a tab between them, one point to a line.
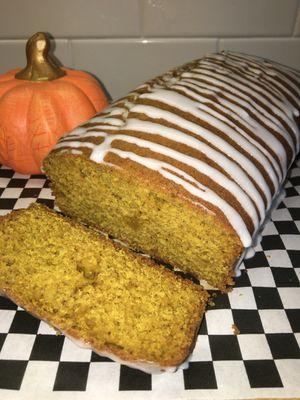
40	66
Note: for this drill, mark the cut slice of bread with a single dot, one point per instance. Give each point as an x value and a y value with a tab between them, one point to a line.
114	301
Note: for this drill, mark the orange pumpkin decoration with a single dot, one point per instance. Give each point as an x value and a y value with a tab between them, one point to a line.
40	103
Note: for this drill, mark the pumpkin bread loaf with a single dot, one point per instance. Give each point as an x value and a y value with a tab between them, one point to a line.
118	303
188	166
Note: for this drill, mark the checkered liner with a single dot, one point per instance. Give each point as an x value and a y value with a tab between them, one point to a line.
263	360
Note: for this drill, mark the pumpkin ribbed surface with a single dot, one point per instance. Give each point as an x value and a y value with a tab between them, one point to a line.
34	115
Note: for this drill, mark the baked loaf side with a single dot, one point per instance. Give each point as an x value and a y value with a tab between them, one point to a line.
188	165
118	303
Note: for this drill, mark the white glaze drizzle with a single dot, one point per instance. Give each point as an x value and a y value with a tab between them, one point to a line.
220	74
187	105
254	125
271	71
227	110
270	92
283	109
258	111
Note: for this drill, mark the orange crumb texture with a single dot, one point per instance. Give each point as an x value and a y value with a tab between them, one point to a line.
86	286
235	329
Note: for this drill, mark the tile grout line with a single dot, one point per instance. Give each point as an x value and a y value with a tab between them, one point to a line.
297	13
158	38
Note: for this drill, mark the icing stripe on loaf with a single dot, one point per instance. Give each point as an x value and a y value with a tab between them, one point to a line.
238	116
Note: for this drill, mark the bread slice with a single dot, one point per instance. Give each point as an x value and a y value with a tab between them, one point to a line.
116	302
188	166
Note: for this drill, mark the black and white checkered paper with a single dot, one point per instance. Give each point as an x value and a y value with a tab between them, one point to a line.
263	360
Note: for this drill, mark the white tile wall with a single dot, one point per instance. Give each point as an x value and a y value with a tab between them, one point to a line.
70	18
123	64
124	42
218	17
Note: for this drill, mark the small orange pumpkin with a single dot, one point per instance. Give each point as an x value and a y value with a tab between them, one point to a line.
40	103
